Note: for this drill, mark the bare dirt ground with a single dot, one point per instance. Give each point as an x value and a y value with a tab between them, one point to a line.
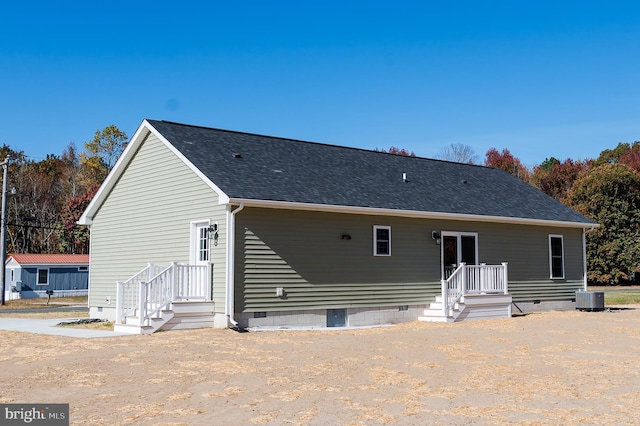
570	368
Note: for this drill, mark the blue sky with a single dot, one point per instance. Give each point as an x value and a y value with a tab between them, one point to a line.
540	78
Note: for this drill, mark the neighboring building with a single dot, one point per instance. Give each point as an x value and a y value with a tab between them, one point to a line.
286	232
32	275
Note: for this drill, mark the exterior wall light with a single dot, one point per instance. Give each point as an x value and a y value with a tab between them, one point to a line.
213	233
345	236
436	236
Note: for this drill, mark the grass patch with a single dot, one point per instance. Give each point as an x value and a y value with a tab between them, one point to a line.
41	302
621	298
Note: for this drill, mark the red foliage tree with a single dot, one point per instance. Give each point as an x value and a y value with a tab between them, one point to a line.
631	158
506	161
560	178
398	151
72	237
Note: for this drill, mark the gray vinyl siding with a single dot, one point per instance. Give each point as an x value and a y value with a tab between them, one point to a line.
303	252
147	219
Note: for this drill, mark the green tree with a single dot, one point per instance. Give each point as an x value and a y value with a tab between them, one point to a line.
612	156
548	164
610	195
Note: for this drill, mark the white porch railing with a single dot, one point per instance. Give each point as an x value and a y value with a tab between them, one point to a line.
151	290
473	279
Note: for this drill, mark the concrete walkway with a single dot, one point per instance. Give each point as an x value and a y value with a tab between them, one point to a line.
48	326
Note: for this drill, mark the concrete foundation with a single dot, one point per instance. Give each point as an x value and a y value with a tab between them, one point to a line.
355	317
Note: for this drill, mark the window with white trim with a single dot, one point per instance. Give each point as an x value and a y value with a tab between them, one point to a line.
381	240
556	256
43	277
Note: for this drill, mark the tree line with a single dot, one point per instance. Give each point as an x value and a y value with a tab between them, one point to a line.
46	198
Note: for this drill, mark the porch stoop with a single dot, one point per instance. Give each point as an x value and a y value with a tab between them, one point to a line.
470	307
182	315
189	315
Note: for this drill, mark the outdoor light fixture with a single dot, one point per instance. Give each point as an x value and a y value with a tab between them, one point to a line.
436	236
345	236
213	233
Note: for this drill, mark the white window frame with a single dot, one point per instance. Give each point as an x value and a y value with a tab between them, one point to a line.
458	235
38	276
194	243
375	240
561	237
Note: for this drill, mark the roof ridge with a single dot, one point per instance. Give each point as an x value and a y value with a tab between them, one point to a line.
316	143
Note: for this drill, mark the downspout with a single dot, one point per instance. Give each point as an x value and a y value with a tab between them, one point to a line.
585	231
231	250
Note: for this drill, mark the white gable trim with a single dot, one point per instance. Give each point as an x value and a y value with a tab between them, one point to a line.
121	165
408	213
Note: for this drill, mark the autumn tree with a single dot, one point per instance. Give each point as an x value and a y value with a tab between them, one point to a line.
631	158
102	152
610	195
37	194
506	161
559	178
397	151
46	197
73	238
458	153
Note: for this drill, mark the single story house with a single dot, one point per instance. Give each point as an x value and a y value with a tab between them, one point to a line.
42	275
250	230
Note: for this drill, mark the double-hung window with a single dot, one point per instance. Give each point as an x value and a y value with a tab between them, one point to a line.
556	256
43	277
381	240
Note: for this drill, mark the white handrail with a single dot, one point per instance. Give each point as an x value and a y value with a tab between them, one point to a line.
473	279
153	289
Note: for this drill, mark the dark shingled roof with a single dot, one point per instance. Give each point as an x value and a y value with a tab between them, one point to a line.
249	166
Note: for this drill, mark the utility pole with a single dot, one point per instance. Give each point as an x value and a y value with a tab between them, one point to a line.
3	227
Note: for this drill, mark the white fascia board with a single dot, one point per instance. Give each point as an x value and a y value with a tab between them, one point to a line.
124	160
407	213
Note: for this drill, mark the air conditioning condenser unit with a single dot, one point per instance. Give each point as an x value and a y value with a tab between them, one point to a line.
590	301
